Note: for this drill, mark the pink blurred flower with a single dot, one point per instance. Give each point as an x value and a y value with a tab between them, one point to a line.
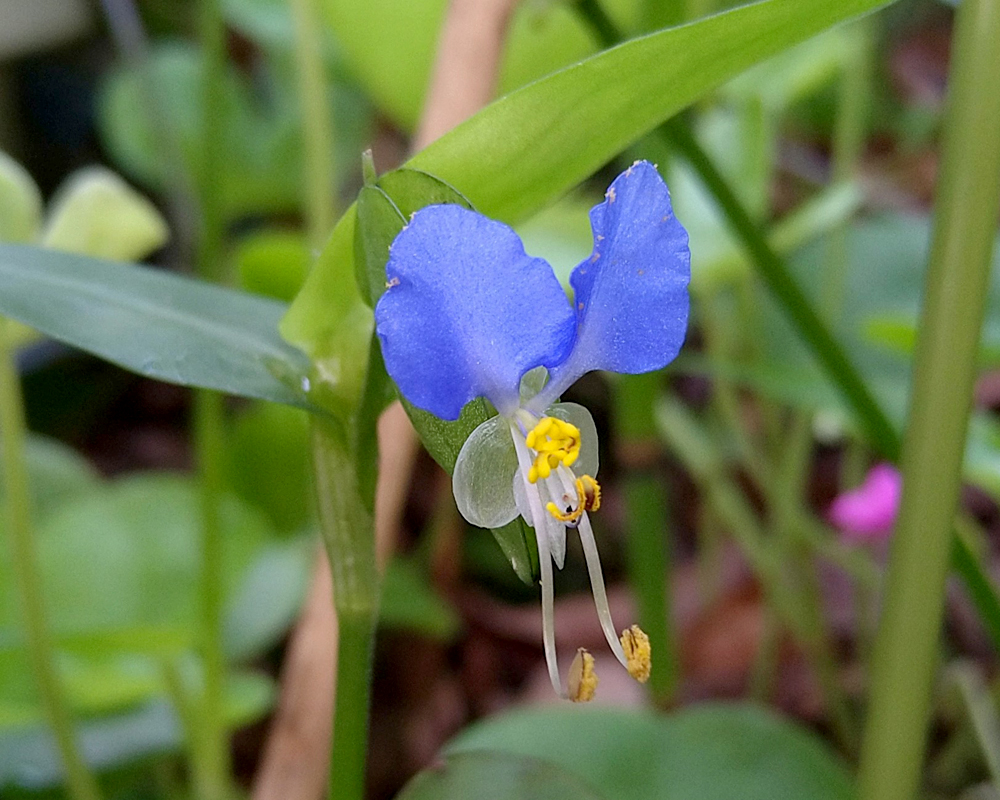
868	513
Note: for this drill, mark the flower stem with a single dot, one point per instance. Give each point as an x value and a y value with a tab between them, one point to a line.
906	648
349	536
213	775
647	536
318	176
80	782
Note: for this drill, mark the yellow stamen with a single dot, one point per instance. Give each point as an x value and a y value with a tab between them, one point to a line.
556	442
588	498
638	653
582	679
589	491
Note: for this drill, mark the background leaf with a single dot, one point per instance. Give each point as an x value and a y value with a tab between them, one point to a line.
150	121
155	323
496	776
711	752
20	202
409	601
96	213
120	566
560	129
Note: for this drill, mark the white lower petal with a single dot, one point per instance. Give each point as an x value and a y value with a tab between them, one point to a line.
482	477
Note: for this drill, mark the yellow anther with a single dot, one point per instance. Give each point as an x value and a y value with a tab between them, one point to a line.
556	442
638	653
588	498
571	515
582	679
539	431
589	491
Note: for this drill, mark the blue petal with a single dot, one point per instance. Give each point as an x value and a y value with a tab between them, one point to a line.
467	312
631	294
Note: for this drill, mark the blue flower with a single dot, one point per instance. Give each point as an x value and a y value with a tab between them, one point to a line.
467	314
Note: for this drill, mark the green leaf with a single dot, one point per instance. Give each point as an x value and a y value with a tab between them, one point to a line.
333	324
95	213
897	333
523	151
712	752
127	554
56	472
409	602
559	130
28	758
150	120
379	392
496	776
796	73
273	263
20	202
155	323
267	454
120	564
268	598
379	222
248	697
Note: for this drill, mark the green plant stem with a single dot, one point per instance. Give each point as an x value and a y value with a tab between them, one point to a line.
797	606
185	706
213	767
213	776
757	157
725	399
318	175
647	535
349	536
849	134
906	648
794	301
24	561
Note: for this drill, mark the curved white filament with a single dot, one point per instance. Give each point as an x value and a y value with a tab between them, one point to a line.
596	576
542	518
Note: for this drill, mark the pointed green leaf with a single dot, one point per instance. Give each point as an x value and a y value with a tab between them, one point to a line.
529	147
155	323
